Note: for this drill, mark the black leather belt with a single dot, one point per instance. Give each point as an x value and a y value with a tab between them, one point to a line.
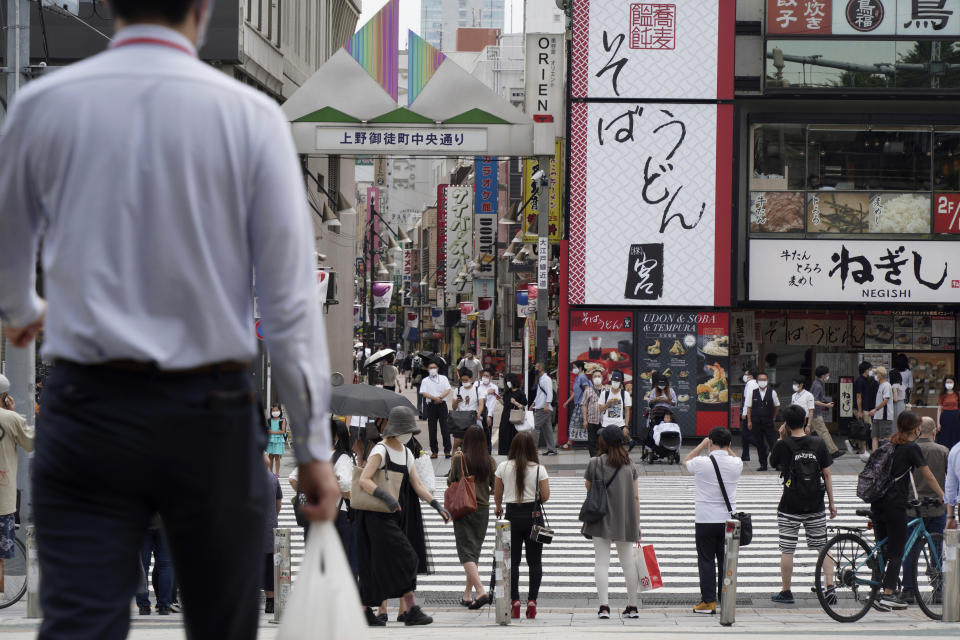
137	366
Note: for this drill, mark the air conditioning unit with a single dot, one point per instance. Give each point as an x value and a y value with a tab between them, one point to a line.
331	288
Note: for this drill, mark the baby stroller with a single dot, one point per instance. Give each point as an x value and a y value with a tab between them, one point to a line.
662	439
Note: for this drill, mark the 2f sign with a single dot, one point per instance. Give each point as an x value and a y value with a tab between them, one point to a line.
947	215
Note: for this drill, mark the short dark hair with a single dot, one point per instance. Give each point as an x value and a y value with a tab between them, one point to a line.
864	367
173	11
821	371
896	377
794	416
751	371
801	380
578	363
465	373
762	373
720	436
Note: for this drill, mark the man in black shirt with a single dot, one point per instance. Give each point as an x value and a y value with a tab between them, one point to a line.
803	462
890	511
864	398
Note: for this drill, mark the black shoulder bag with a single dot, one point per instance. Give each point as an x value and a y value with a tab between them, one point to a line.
541	531
746	522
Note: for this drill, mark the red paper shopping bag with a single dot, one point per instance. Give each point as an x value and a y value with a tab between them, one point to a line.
648	569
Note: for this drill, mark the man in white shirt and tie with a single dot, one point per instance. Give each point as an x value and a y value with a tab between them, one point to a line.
156	185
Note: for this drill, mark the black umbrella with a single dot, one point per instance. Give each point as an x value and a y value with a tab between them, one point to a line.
435	359
364	400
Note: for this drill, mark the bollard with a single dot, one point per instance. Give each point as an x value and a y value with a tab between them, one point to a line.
728	590
501	559
282	573
951	575
33	575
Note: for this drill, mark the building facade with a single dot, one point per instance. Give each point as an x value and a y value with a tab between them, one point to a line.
440	19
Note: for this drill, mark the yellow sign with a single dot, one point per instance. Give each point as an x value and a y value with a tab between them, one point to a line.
556	194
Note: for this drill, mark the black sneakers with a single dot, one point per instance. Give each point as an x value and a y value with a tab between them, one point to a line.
373	620
784	597
891	601
631	612
604	612
145	610
416	617
163	610
268	607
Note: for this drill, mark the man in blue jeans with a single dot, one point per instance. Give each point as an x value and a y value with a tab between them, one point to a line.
163	570
934	518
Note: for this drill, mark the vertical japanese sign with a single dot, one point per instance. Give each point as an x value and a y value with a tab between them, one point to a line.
846	397
544	77
529	217
603	340
485	184
650	194
441	236
459	235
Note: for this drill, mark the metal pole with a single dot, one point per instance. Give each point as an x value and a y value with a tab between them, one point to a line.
282	578
951	575
728	589
33	575
543	256
501	559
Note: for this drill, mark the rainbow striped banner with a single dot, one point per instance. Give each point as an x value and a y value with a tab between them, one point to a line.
376	47
423	61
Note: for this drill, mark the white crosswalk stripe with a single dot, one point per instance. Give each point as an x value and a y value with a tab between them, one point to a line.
667	516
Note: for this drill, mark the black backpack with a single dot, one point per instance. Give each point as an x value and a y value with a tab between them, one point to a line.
803	478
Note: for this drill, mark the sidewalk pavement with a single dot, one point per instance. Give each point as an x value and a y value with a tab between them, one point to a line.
567	624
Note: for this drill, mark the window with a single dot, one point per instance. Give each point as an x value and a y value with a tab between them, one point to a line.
844	179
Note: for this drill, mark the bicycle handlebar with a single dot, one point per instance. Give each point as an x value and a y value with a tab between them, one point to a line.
926	502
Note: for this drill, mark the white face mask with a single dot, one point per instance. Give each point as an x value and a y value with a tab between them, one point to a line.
433	373
762	384
576	371
597	381
746	378
873	375
204	23
661	386
405	438
615	384
796	388
275	414
948	386
509	385
467	385
826	378
486	381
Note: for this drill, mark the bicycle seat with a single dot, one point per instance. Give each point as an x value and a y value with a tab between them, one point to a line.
865	513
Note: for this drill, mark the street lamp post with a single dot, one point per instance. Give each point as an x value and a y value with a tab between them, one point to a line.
371	253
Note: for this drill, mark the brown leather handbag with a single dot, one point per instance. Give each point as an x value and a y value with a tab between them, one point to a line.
460	498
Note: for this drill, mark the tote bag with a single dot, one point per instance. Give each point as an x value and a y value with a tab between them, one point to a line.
389	481
460	498
648	569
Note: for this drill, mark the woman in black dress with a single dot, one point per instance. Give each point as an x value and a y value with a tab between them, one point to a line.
388	559
513	398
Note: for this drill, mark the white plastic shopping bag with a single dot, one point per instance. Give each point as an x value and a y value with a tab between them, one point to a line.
324	603
529	422
648	569
425	471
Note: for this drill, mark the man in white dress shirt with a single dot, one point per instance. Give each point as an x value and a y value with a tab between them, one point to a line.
746	435
157	185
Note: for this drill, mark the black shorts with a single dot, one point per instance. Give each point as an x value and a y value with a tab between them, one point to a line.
268	572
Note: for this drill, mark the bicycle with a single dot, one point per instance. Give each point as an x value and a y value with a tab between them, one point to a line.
859	567
14	575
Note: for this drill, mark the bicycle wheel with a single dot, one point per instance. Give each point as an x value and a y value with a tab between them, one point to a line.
928	575
14	576
850	599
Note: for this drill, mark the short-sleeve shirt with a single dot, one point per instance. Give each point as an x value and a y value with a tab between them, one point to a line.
782	457
435	386
884	392
580	383
864	388
710	506
816	390
589	401
489	399
670	393
906	458
948	401
389	374
402	457
748	394
469	398
614	415
907	377
804	399
507	472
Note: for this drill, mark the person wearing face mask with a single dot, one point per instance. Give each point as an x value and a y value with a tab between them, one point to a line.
948	416
882	412
543	410
821	409
762	408
490	394
746	436
590	406
434	390
513	399
615	404
864	397
580	382
150	301
388	558
276	445
468	408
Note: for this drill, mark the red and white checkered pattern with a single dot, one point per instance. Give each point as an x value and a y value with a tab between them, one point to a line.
576	272
581	48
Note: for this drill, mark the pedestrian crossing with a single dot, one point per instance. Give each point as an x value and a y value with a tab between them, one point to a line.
667	517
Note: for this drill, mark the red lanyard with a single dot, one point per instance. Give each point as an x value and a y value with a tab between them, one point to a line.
154	41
